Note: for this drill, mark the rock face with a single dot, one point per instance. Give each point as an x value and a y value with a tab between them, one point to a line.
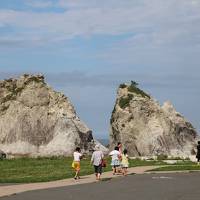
37	121
147	129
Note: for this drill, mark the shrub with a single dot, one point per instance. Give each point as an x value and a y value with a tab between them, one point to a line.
162	157
125	101
134	83
122	86
134	89
34	79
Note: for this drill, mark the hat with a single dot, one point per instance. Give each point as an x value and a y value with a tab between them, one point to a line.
97	147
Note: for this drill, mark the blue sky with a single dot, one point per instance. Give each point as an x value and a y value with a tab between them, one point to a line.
86	48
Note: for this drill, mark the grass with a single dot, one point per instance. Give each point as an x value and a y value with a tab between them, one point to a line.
26	170
178	168
29	170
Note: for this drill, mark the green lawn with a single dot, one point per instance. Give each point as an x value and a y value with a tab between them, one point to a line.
27	170
178	168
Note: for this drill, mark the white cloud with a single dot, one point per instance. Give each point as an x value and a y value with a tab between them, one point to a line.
162	34
153	22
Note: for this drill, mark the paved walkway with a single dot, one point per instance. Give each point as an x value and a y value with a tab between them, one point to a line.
15	189
175	186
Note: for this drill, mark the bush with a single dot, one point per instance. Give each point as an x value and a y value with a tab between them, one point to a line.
133	89
2	155
125	101
133	83
122	86
162	157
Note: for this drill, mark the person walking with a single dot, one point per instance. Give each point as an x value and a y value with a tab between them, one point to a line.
115	155
119	144
76	163
124	162
119	169
96	160
198	152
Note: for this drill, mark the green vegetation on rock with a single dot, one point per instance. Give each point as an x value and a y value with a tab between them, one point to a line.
122	86
134	89
125	101
35	79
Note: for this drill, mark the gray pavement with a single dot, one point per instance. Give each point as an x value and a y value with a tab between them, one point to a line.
6	190
176	186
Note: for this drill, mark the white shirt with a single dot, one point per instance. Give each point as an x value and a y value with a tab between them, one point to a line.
77	156
97	157
114	154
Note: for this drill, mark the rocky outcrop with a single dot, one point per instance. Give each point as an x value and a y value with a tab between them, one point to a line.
37	121
146	129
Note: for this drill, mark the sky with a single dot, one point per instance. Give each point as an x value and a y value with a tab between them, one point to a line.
86	48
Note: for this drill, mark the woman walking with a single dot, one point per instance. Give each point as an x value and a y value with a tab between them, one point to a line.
76	163
96	160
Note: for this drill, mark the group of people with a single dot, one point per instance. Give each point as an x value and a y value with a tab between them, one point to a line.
119	161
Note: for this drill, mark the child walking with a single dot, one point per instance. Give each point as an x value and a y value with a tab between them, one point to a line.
76	163
124	162
115	163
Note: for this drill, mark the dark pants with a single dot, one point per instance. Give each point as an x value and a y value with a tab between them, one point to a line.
98	169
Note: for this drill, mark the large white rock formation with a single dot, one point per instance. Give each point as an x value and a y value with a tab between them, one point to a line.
35	120
147	129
